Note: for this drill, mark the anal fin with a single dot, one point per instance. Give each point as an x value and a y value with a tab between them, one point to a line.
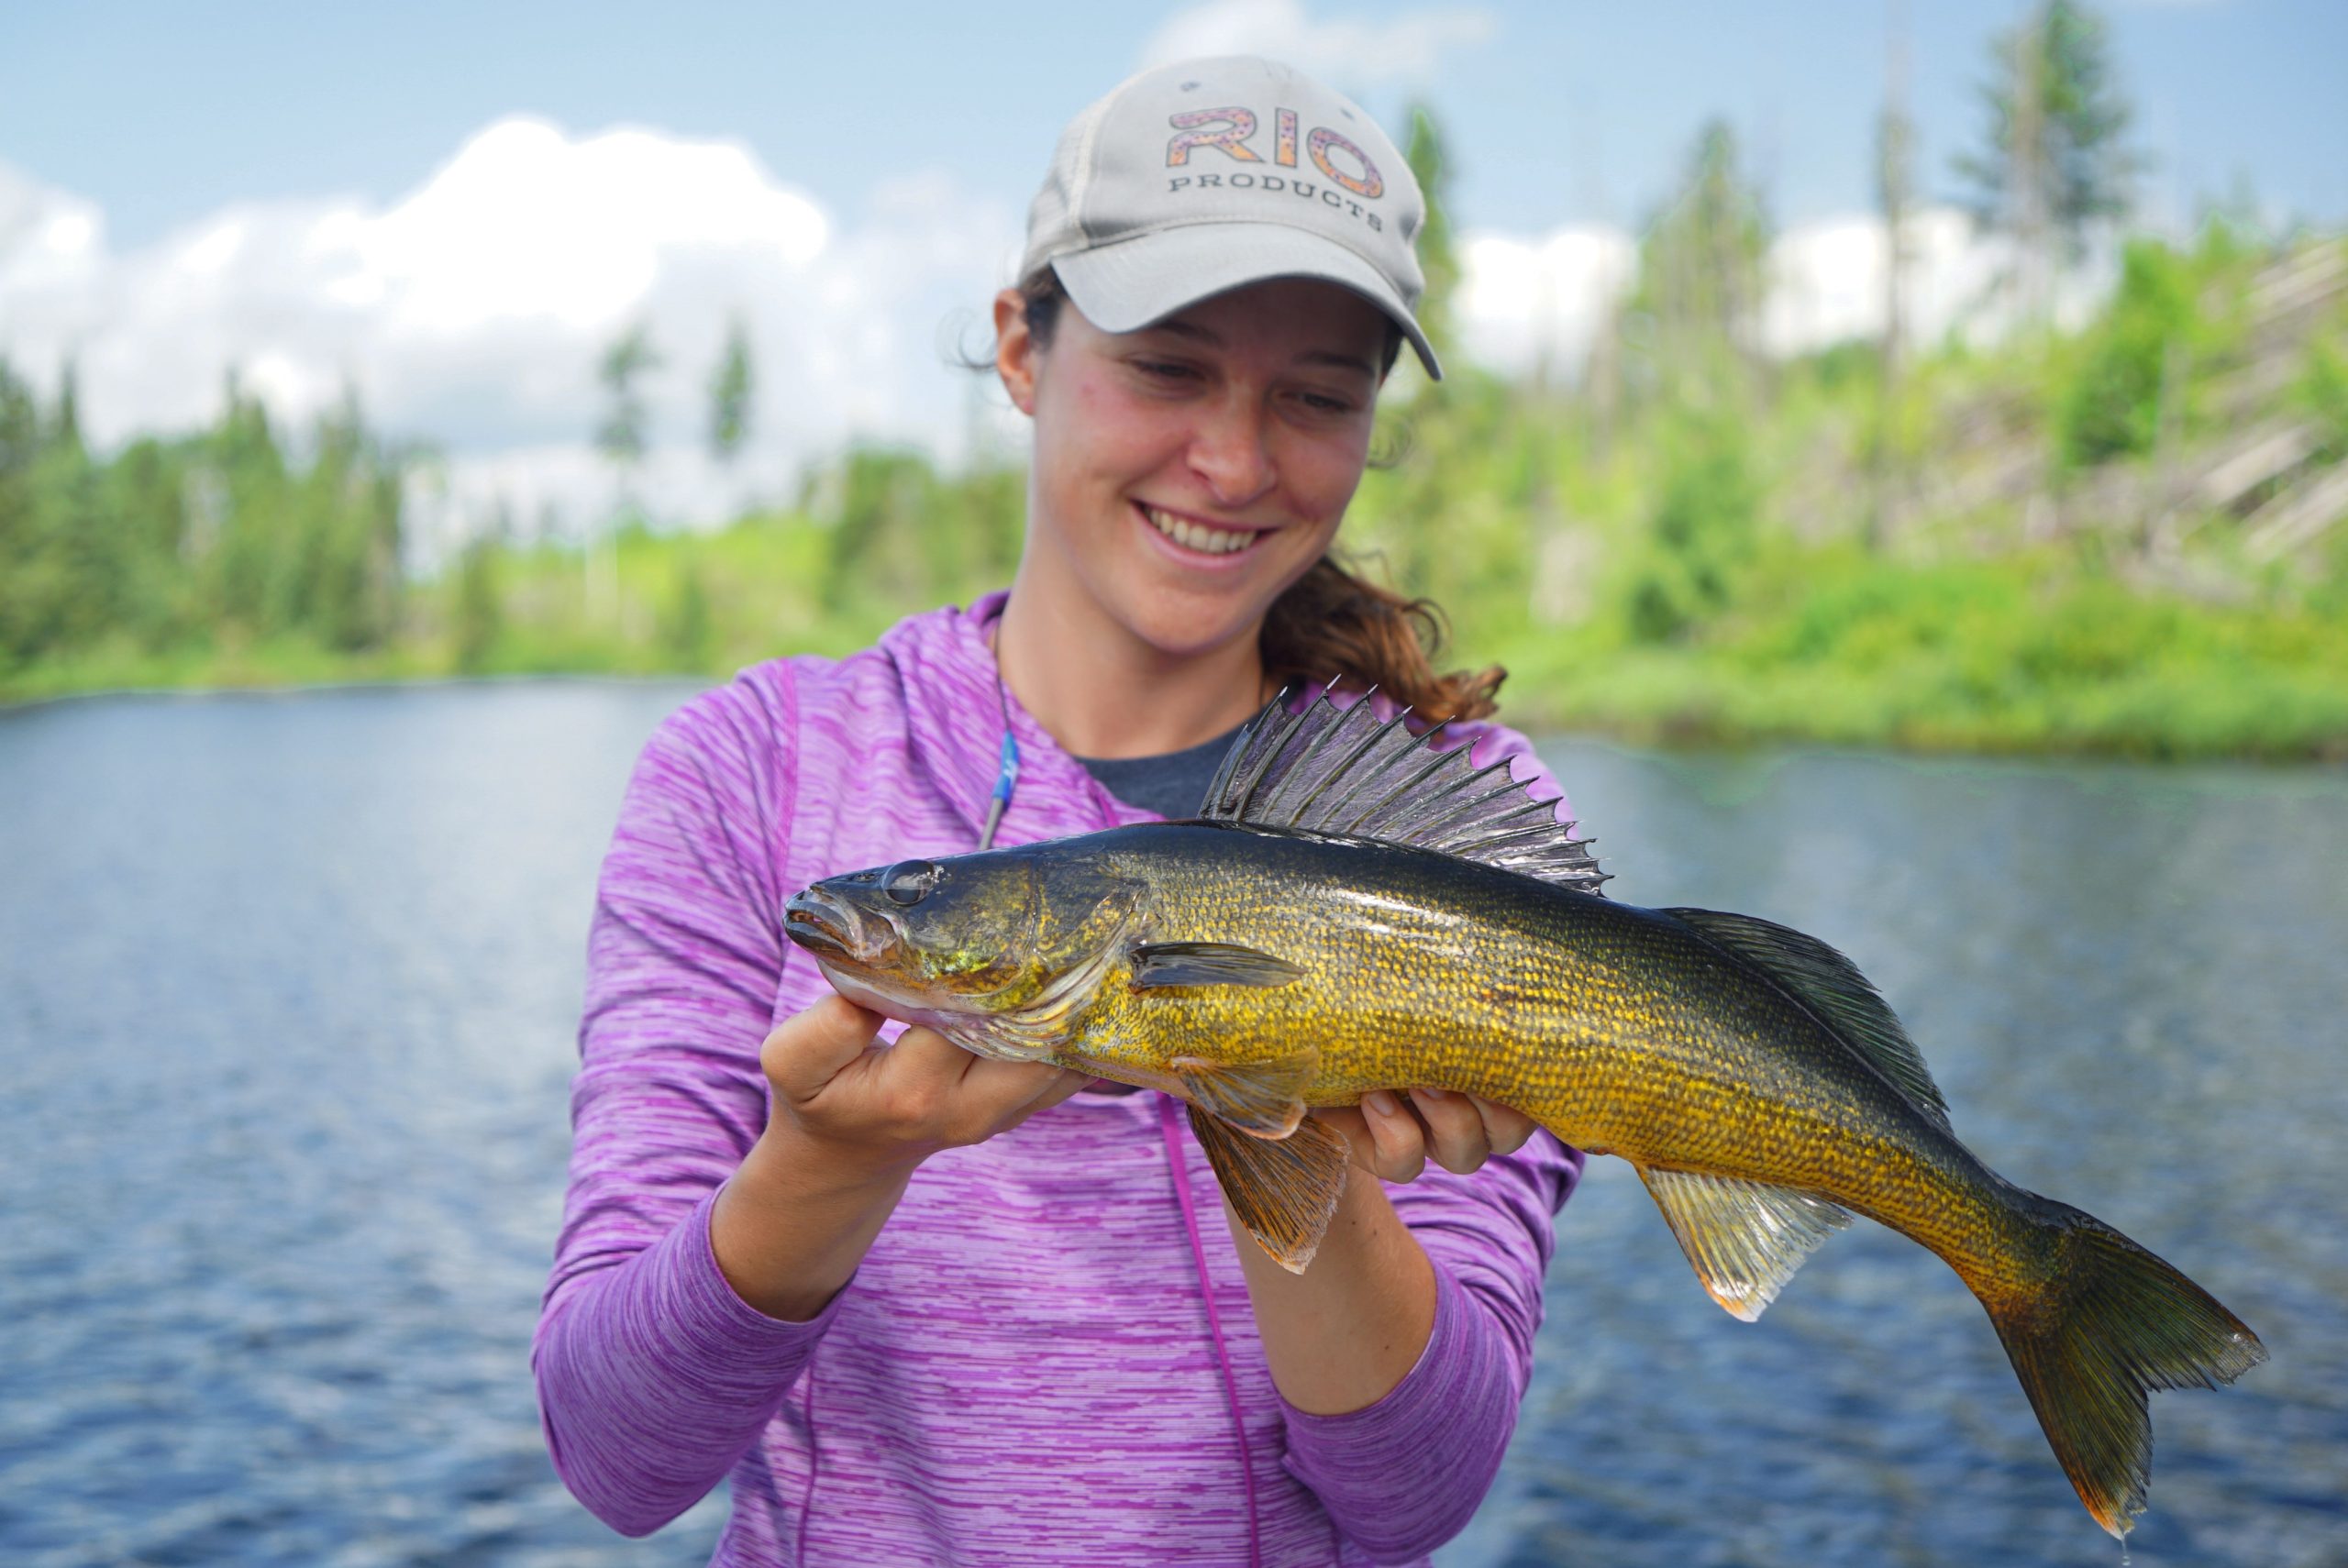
1285	1190
1745	1238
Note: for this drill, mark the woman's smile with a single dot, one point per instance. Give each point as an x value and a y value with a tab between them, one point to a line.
1194	541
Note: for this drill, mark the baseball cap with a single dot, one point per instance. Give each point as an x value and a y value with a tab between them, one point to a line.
1197	177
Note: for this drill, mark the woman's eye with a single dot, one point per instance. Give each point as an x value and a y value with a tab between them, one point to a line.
1159	370
909	881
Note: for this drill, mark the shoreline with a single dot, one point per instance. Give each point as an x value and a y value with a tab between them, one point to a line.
1664	729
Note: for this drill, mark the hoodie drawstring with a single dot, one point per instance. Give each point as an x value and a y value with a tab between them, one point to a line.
1169	1124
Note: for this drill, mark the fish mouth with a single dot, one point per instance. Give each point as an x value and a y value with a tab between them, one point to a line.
823	924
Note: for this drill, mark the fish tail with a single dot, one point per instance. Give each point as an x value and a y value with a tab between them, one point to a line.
2113	1323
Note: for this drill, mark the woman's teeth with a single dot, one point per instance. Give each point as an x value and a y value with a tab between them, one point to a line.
1198	535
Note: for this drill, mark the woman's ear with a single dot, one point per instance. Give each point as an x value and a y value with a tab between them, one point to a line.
1015	350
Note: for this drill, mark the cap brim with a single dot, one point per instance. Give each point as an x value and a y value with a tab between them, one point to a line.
1127	285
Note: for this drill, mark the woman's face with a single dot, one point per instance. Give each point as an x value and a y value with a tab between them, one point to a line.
1186	473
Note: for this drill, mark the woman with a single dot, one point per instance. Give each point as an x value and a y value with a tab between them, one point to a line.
922	1307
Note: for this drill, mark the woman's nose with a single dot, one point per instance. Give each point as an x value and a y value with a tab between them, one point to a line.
1231	454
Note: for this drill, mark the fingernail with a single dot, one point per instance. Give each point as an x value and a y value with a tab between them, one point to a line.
1426	1091
1382	1102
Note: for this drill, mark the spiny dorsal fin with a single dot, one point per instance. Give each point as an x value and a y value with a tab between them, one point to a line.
1745	1238
1832	985
1345	772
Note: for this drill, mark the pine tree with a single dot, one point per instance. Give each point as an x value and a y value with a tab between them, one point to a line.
1437	257
621	439
732	394
1699	274
2055	164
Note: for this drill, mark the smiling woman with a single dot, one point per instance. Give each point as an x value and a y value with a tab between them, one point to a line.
923	1306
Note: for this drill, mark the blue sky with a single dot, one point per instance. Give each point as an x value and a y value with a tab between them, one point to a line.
1560	111
450	209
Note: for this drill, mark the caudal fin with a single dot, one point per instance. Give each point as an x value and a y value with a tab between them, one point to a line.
2117	1323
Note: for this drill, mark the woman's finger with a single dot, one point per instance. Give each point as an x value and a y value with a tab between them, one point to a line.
1457	1139
1400	1143
1061	1084
1506	1128
996	1090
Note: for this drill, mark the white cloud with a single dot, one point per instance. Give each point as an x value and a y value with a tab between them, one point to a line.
1528	303
1534	305
1349	54
1827	283
472	313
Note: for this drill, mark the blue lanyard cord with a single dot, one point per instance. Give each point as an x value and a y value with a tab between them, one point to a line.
1007	778
1003	783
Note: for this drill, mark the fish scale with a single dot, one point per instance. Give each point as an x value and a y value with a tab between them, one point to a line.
1663	1074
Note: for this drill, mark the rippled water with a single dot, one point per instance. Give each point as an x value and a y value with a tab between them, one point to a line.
287	988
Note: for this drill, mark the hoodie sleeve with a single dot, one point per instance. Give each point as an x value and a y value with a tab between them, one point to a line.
653	1376
1405	1475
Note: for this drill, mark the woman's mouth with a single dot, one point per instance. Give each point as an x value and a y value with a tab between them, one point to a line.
1201	537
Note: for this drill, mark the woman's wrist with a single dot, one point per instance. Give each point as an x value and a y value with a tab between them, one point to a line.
1341	1335
790	1226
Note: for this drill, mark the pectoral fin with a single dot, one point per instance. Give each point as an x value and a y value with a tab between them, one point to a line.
1745	1238
1283	1190
1266	1099
1207	963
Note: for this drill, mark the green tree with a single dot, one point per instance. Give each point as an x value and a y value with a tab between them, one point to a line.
1702	532
732	394
1697	299
621	436
621	439
1894	191
886	524
2055	163
688	630
480	603
1438	257
2113	405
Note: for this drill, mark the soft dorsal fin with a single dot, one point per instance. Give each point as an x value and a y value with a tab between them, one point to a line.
1345	772
1832	985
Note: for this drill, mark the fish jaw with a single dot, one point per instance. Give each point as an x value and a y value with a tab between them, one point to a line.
831	928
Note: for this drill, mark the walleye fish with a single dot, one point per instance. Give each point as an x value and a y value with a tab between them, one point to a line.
1359	909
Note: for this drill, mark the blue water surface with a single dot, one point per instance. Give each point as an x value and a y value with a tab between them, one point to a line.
288	987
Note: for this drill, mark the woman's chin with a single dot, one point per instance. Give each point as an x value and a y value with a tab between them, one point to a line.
1184	620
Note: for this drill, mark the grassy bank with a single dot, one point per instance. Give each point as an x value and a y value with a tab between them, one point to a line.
2028	654
2125	539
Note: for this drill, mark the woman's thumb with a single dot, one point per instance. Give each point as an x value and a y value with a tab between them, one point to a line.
808	1049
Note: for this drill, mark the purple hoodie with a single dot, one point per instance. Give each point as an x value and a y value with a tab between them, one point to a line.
1022	1370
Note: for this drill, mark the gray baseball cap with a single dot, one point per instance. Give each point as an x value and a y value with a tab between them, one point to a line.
1198	177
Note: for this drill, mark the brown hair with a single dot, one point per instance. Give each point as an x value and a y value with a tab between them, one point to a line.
1331	622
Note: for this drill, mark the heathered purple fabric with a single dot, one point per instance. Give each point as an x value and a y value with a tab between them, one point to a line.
1019	1373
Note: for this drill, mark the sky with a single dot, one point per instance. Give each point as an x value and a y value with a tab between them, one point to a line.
454	207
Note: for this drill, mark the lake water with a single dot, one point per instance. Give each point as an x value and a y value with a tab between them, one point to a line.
287	994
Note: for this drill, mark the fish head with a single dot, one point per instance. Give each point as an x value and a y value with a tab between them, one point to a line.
972	937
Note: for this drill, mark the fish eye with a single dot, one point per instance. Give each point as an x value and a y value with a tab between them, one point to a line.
909	881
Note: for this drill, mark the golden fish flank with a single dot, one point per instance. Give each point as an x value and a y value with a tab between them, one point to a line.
1359	910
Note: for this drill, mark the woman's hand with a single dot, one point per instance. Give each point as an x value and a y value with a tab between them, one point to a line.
849	1123
1393	1139
879	1110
